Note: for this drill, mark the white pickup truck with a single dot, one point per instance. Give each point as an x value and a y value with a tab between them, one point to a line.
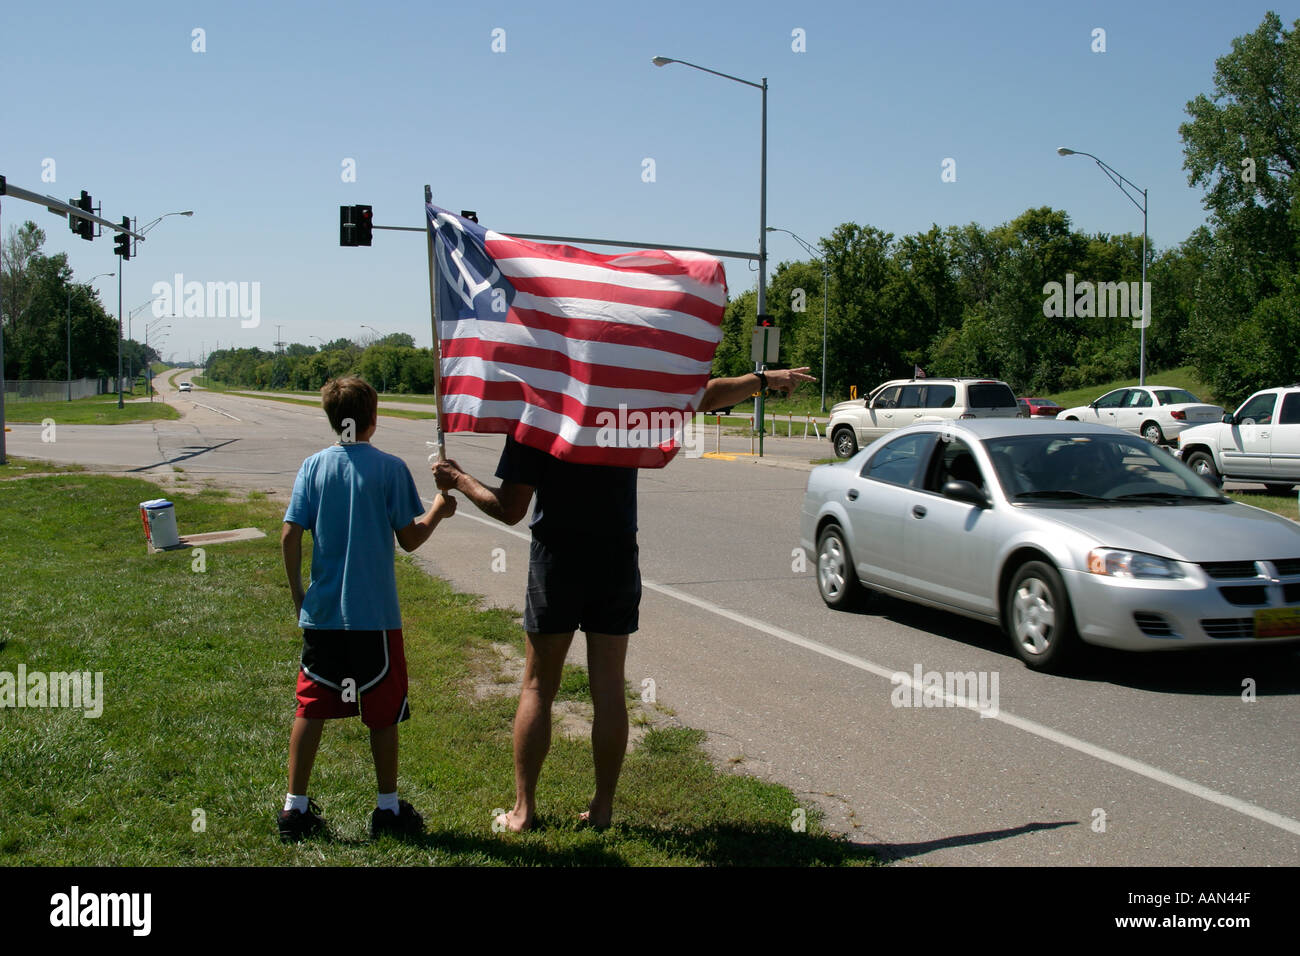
1259	442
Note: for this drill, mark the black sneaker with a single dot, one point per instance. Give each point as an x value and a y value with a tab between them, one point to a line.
296	824
405	822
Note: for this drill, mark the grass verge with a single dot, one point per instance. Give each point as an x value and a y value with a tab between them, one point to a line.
315	403
1184	377
96	410
186	764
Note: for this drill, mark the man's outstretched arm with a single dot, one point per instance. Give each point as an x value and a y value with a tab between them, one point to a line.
725	392
507	504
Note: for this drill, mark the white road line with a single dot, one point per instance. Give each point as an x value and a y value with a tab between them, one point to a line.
1189	787
217	410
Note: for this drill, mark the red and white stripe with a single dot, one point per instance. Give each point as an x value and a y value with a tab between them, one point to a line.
584	335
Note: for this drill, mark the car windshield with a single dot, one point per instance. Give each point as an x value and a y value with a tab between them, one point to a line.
1091	468
1176	396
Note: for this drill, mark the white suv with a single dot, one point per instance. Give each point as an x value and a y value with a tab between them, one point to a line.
1260	442
907	401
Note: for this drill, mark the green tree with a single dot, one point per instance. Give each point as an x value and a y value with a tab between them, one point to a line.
1242	144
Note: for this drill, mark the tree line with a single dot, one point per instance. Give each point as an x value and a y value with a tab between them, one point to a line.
40	298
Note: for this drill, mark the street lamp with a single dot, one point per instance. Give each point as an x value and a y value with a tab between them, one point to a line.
825	291
141	232
148	378
762	208
383	370
130	359
1120	181
92	279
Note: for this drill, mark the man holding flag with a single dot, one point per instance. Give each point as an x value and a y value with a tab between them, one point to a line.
579	359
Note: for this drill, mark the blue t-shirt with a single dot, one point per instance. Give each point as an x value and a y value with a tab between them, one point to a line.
352	498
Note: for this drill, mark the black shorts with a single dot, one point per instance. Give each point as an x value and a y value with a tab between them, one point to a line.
592	587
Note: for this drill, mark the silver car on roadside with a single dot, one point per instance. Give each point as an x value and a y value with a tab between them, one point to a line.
1059	532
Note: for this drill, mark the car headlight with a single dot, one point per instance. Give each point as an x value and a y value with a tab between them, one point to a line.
1131	564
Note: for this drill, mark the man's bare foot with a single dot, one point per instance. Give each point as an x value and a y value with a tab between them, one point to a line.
509	821
597	821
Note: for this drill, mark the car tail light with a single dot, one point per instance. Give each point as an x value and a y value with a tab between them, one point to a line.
1178	413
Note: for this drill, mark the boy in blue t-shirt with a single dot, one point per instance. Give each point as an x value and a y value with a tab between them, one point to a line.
353	498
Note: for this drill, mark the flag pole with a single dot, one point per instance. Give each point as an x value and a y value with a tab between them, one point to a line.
437	338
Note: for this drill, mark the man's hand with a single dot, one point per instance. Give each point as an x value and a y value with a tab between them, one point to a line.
444	506
787	379
446	474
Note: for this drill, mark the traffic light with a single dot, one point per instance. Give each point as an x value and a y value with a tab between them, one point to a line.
356	225
82	227
122	241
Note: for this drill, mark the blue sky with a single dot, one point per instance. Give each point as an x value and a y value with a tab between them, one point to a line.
549	136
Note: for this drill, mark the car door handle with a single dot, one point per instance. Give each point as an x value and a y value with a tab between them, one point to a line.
853	494
918	511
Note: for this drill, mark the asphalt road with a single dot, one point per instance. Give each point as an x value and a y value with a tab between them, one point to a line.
1135	760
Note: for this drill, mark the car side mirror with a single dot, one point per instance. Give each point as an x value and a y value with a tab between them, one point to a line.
1228	418
967	492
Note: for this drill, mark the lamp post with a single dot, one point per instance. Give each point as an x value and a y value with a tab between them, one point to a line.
92	279
148	378
383	371
762	209
1120	181
149	225
130	359
825	293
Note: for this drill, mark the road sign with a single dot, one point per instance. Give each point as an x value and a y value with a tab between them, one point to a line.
756	344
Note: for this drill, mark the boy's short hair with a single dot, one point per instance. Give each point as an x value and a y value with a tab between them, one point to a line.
350	398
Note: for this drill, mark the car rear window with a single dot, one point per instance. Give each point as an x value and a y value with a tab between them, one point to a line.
990	395
940	396
1290	409
900	461
1176	396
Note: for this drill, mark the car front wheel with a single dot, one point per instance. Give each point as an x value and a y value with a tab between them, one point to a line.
1201	463
837	578
1152	433
846	443
1039	618
1278	489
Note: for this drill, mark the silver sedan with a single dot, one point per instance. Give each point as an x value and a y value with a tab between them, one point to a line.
1058	532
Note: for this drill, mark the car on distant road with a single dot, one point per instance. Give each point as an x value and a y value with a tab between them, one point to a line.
1156	412
1061	533
1259	442
1039	407
909	401
186	386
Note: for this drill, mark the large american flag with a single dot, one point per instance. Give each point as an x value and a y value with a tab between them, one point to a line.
595	359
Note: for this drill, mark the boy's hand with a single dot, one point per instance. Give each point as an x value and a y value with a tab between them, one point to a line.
444	506
446	474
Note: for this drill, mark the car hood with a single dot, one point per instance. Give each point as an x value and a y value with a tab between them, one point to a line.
1207	432
1194	533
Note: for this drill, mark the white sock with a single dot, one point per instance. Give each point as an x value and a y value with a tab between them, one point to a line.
295	801
388	801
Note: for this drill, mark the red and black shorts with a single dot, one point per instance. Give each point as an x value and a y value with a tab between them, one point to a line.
345	673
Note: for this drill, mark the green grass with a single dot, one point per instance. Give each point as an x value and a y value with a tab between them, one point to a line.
315	403
1185	377
198	675
19	467
96	410
1284	505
